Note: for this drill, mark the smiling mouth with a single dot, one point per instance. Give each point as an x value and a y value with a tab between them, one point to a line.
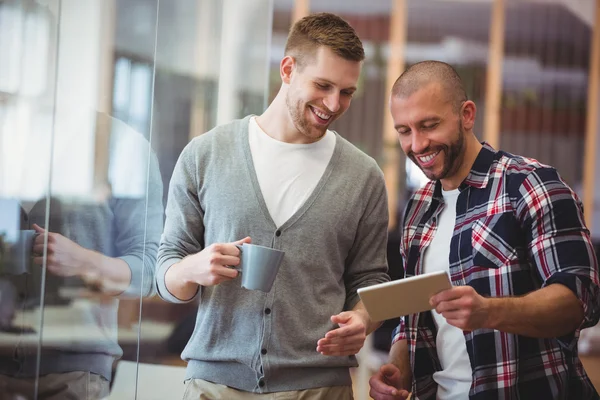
427	160
323	117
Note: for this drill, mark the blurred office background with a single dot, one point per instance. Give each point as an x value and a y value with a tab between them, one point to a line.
99	97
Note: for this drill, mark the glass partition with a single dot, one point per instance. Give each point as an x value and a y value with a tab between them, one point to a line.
29	44
97	100
82	195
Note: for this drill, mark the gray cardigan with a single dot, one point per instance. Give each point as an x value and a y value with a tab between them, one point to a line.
334	244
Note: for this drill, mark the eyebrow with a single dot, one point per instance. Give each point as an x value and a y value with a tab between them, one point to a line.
421	122
333	84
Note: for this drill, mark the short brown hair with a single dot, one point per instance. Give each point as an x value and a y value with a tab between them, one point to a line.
323	29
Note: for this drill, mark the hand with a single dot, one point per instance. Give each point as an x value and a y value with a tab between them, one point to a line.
462	307
213	265
385	384
349	338
64	257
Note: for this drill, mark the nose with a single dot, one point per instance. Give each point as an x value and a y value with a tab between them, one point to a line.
332	102
420	142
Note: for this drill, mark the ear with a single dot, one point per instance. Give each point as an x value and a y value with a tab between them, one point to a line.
286	67
468	112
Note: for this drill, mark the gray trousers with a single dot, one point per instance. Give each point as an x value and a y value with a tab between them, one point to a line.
76	385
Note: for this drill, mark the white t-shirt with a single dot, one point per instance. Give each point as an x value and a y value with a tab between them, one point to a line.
287	173
454	381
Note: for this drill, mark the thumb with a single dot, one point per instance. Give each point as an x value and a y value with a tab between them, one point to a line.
244	240
39	229
341	318
388	370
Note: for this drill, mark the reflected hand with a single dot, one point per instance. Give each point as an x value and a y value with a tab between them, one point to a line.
385	384
213	265
349	338
462	307
64	257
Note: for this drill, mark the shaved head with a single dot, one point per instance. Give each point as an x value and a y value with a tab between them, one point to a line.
424	73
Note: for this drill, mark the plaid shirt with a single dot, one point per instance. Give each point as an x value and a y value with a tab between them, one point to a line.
518	228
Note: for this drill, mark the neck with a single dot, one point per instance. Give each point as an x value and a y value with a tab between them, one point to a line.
277	123
472	148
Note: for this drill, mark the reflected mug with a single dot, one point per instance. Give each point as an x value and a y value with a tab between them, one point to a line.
18	257
258	266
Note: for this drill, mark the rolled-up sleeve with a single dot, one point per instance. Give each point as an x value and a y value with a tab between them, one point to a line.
559	243
399	333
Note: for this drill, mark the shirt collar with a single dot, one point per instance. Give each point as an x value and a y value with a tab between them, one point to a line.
478	176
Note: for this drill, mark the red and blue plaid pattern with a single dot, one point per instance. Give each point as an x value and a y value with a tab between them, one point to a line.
519	228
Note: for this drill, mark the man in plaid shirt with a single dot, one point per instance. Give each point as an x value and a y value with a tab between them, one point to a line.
512	236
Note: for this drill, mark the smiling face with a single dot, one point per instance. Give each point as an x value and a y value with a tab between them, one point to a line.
319	92
431	132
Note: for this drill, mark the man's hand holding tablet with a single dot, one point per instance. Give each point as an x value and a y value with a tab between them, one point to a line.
404	296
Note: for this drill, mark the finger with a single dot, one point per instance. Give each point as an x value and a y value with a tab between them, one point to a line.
358	339
375	395
341	318
227	261
381	396
388	370
230	249
40	238
350	351
455	314
247	239
38	260
39	229
351	341
345	331
449	306
224	272
38	249
447	295
225	249
379	386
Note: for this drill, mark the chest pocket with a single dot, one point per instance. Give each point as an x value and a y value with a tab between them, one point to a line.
496	240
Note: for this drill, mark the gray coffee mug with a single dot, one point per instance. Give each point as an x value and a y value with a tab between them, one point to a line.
258	266
18	259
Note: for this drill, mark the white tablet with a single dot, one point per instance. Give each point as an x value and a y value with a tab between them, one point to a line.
404	296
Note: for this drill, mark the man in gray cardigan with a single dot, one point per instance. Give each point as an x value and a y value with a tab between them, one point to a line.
108	244
282	180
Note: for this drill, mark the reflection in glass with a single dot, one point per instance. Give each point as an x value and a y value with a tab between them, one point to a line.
81	199
99	246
